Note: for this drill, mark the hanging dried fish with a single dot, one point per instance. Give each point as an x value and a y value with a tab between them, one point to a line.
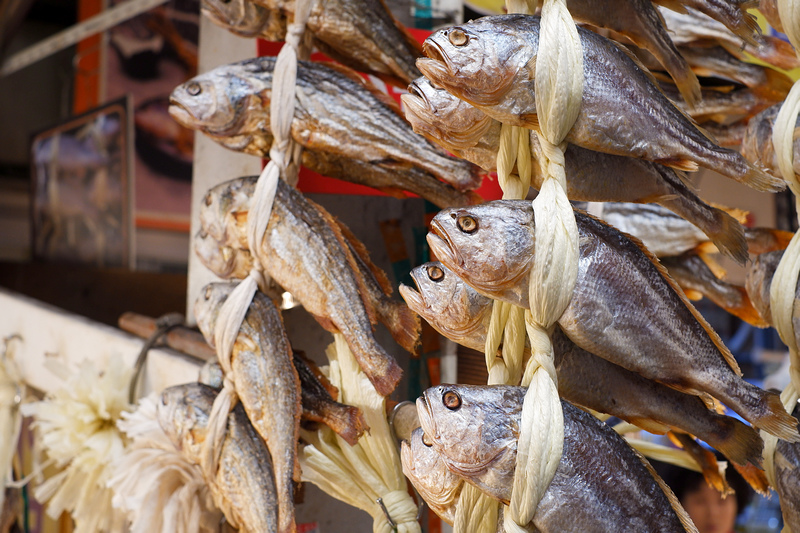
350	131
489	63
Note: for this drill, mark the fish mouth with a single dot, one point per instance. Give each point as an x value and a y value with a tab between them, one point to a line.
180	114
413	297
425	417
442	247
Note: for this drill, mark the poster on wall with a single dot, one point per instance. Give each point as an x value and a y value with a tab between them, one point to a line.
147	57
81	197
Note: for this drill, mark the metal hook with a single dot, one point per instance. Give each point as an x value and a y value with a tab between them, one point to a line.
163	325
392	523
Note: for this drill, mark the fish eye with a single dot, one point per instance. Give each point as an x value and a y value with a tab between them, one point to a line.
208	292
451	400
193	88
467	224
435	273
458	37
426	441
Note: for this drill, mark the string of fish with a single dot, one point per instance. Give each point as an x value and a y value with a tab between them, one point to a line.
284	157
784	283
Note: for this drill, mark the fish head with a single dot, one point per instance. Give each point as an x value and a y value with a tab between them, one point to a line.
208	305
215	102
477	61
183	413
224	208
442	118
242	17
490	246
224	261
211	374
472	428
758	282
443	299
426	470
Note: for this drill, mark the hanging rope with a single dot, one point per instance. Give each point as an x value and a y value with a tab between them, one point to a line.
284	160
784	282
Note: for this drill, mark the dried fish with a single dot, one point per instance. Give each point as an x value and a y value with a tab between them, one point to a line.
490	64
601	484
246	18
350	131
243	486
266	383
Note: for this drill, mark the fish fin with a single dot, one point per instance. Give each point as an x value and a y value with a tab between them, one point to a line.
705	460
739	442
761	180
763	240
778	422
776	86
394	192
728	235
681	513
739	214
754	476
403	323
384	98
679	163
693	295
326	323
357	247
673	5
336	229
746	311
713	265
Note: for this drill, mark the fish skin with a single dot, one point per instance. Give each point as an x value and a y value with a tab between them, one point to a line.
318	405
469	133
246	19
694	28
757	143
350	131
787	474
758	282
304	251
640	21
461	314
727	135
439	487
362	34
243	487
692	273
622	306
502	85
741	103
478	441
267	384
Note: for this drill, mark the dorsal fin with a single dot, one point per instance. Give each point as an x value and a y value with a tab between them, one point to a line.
368	85
683	516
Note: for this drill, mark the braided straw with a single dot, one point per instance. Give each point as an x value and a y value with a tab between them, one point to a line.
559	91
784	282
283	160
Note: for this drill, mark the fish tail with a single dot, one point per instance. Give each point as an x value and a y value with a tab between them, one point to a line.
746	311
763	240
776	421
758	178
347	421
379	367
754	476
403	323
285	493
737	441
705	460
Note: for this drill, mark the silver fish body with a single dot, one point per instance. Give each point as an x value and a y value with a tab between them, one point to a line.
305	252
349	130
489	63
623	301
757	143
243	486
601	484
758	282
461	314
266	383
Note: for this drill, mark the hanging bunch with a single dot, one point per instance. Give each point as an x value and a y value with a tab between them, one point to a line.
77	429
